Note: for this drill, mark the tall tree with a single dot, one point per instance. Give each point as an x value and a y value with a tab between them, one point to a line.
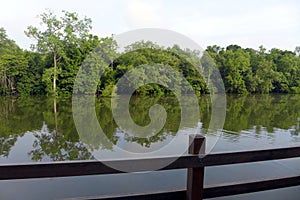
58	33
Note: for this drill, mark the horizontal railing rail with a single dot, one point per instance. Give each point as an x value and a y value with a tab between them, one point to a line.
83	168
195	162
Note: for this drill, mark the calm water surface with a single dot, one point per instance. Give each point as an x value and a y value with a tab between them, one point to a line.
30	131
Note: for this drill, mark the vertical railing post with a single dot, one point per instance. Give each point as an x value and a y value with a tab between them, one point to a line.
195	176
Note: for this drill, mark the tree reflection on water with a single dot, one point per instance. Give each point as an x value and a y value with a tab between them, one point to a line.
56	138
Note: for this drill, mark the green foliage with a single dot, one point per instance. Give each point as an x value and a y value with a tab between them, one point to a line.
64	44
31	83
146	55
68	41
12	65
234	68
257	71
8	46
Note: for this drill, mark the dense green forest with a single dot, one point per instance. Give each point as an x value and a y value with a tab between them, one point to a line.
62	44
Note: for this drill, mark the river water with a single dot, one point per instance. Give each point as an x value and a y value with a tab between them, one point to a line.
30	131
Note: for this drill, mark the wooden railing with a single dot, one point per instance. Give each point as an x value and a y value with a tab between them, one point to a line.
195	162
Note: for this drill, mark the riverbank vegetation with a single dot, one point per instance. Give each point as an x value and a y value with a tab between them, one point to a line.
61	45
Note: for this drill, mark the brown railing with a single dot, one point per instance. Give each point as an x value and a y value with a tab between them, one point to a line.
195	162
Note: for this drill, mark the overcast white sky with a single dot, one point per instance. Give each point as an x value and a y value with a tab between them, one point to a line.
247	23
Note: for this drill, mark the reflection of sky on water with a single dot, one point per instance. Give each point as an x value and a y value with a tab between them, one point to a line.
160	181
257	139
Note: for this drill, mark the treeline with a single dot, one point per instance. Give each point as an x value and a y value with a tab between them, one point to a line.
63	44
257	71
